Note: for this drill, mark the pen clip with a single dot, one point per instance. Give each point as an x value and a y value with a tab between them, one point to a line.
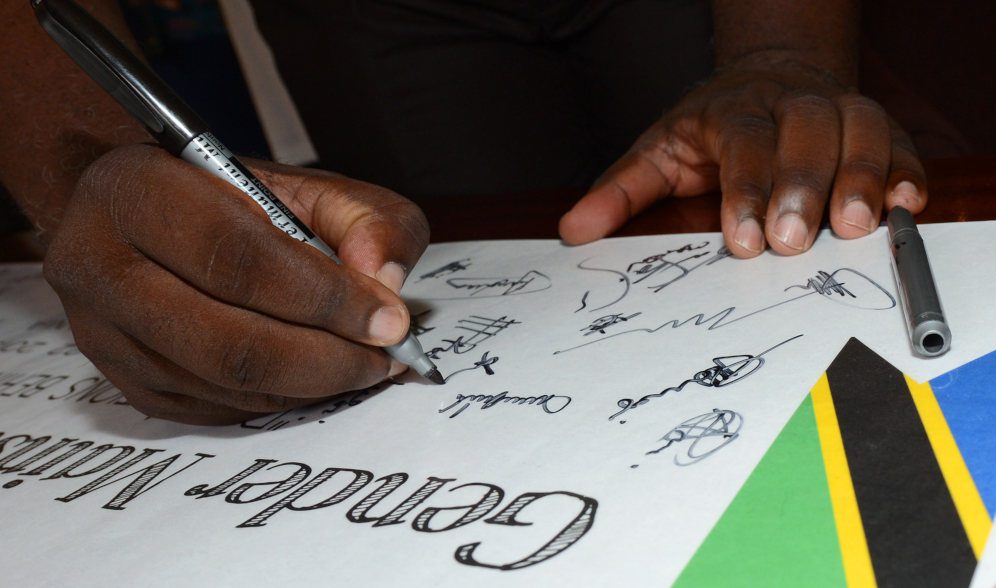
123	75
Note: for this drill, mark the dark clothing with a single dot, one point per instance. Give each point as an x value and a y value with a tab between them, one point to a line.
483	96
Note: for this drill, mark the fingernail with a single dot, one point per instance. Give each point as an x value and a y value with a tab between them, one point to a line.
387	325
392	275
397	368
791	230
749	235
906	195
858	215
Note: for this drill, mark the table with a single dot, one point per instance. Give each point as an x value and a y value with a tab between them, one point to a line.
961	189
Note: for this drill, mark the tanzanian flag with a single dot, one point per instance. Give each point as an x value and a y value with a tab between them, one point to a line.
875	480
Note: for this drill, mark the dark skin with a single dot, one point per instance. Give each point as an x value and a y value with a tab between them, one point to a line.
778	129
176	286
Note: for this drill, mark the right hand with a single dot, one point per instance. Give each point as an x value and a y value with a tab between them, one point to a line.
183	294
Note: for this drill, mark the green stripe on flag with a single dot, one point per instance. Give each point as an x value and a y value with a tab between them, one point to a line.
779	530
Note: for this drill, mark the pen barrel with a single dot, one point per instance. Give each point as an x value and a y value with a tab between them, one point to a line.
928	330
208	153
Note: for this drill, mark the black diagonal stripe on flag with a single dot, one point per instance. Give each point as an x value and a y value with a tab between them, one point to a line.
914	534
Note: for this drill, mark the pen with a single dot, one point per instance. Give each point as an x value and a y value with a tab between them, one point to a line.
180	131
928	331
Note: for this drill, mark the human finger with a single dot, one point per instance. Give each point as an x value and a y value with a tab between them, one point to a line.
374	230
158	387
208	233
859	185
746	146
906	185
807	154
659	164
233	347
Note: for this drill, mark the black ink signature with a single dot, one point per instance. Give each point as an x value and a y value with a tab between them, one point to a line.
600	324
863	293
660	265
450	268
724	371
712	431
485	363
481	329
623	279
530	282
672	270
550	403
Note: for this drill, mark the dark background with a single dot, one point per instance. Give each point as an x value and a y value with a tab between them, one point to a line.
931	64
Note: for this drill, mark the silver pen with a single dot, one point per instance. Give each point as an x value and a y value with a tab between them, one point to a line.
179	130
928	330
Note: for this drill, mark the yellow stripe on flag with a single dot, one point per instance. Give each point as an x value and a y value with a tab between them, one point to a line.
967	500
850	532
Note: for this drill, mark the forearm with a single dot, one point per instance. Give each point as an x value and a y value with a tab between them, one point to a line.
821	34
54	120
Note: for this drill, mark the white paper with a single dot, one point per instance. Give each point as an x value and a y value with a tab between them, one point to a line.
541	344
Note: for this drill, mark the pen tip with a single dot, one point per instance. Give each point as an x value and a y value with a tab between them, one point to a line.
435	377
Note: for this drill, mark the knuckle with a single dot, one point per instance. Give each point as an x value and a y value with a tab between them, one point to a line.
244	365
806	105
747	127
862	167
854	102
804	180
417	225
751	192
103	179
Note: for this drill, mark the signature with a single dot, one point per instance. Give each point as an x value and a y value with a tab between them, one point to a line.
600	324
662	267
528	283
480	328
707	432
860	292
672	270
850	287
484	363
725	370
550	403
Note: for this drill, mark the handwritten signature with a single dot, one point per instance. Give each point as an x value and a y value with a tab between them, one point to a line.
600	324
530	282
484	363
662	266
707	432
724	371
672	270
480	328
550	403
860	291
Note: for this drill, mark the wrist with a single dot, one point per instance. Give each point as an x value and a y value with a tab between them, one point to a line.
782	62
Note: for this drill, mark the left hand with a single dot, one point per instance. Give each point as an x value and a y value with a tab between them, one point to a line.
778	140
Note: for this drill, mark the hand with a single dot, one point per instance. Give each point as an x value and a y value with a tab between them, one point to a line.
778	141
183	294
